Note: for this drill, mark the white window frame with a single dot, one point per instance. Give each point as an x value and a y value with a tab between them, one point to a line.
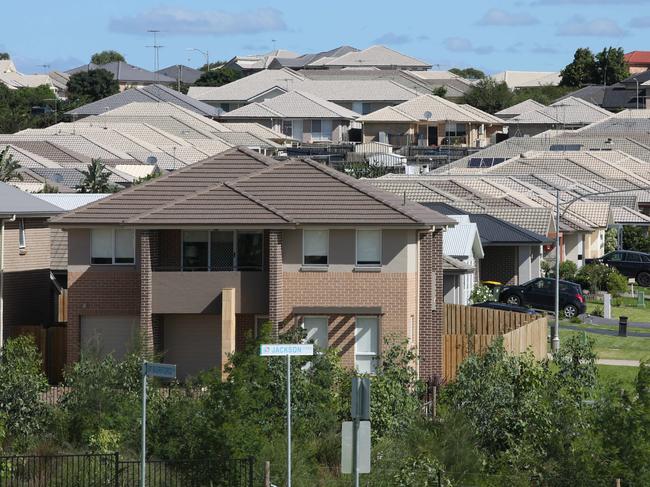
327	253
235	233
22	238
367	354
356	247
113	232
327	330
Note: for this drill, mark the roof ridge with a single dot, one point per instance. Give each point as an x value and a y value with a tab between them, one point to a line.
368	190
256	200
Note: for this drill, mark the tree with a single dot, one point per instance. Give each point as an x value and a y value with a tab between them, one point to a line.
218	77
93	85
636	238
49	188
213	66
489	95
468	73
105	57
95	179
440	91
4	56
611	66
9	167
581	71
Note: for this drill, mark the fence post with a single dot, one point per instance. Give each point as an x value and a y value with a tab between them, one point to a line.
267	474
117	469
251	461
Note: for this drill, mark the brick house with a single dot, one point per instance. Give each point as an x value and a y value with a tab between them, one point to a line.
196	260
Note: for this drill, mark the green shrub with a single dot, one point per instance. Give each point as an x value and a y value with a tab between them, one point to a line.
615	282
593	277
547	268
21	383
598	311
568	270
576	320
481	294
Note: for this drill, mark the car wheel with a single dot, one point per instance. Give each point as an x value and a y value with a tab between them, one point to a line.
643	279
513	299
570	311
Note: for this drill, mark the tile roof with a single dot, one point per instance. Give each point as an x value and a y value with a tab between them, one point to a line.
244	188
638	57
521	107
68	177
523	79
186	74
147	94
294	104
125	72
568	111
380	56
440	109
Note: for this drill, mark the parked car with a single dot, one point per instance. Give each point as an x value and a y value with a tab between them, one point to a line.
540	293
505	307
629	263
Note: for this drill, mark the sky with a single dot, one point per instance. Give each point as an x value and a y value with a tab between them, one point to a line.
535	35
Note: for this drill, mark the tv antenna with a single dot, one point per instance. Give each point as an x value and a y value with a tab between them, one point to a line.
156	49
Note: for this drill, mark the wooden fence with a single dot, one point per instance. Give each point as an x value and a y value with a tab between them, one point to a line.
470	330
50	342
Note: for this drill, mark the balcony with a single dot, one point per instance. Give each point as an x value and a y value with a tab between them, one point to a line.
176	291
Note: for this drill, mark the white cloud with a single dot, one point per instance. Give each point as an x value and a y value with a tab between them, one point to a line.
178	20
462	44
580	27
640	22
501	18
392	38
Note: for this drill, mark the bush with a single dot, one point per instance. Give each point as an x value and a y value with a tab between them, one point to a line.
21	383
598	311
599	277
481	294
615	282
568	270
547	269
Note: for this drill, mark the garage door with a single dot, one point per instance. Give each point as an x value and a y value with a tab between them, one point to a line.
192	342
109	334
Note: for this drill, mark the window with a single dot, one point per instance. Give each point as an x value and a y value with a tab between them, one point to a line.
630	257
287	128
369	247
616	257
321	129
249	250
316	328
22	243
195	250
112	246
366	343
315	244
220	250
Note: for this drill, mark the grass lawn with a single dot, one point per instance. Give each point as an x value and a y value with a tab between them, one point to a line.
625	376
614	347
633	313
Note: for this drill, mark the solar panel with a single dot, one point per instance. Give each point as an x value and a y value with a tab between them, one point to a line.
486	162
498	160
565	147
474	162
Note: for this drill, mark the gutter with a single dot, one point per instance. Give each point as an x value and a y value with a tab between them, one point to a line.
2	270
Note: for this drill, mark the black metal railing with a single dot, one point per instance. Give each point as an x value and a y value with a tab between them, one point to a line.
108	470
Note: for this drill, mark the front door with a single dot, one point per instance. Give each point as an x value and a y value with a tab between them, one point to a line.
432	135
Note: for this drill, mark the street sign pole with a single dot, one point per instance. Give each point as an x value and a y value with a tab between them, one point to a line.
149	369
281	349
355	451
288	420
143	453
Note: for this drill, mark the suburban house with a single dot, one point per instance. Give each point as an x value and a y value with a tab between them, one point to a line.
430	120
28	289
253	63
638	61
144	94
462	249
630	93
300	116
196	260
567	114
13	79
519	108
360	94
528	79
181	73
127	75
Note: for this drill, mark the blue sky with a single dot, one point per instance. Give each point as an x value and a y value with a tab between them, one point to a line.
492	35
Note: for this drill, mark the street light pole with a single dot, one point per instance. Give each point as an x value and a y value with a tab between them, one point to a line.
206	53
555	342
637	92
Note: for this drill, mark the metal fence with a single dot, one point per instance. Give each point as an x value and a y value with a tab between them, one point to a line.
108	470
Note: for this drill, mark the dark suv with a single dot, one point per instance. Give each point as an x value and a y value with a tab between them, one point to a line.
540	293
629	263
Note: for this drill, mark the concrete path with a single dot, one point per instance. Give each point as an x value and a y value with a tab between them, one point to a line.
602	331
620	362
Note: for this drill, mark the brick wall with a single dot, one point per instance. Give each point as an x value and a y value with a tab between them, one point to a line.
147	239
499	264
276	287
430	329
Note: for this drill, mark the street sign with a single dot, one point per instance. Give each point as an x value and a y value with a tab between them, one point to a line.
361	398
363	447
164	371
286	349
